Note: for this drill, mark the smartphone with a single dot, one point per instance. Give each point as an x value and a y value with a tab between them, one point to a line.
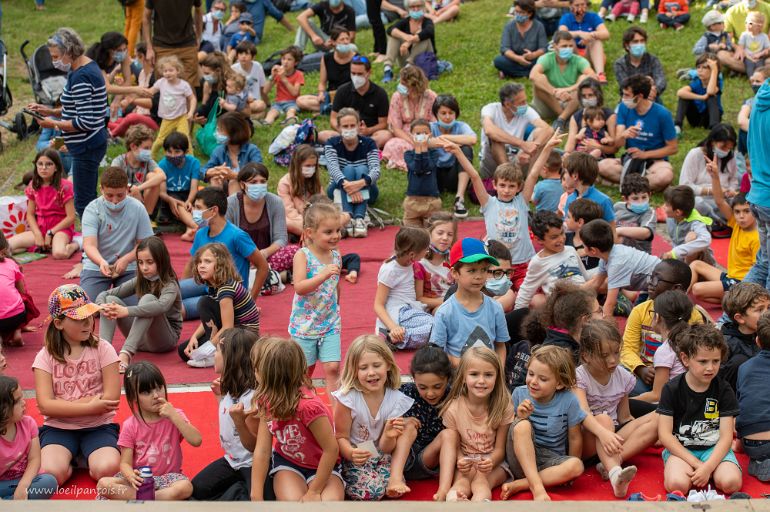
36	115
58	142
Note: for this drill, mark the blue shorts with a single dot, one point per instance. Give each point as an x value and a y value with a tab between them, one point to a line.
327	349
81	440
727	282
415	468
703	455
281	463
283	106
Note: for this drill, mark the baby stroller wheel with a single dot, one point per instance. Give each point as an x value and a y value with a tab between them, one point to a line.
20	126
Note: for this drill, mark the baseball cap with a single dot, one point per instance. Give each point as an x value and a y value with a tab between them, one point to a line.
246	17
712	17
71	300
469	250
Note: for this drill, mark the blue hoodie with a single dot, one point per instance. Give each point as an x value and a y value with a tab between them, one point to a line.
759	126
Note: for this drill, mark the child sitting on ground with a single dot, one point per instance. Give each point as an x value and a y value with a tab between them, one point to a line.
688	229
623	267
567	187
288	82
742	251
236	99
245	33
254	74
554	261
144	175
744	304
697	417
628	8
673	13
422	195
583	170
701	101
754	403
715	39
755	43
580	212
636	220
595	129
182	175
548	191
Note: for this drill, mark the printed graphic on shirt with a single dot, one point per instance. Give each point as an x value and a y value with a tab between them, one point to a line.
477	338
565	270
508	221
292	440
156	454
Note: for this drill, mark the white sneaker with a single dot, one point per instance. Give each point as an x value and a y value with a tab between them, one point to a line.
206	362
643	17
349	229
359	229
631	18
610	17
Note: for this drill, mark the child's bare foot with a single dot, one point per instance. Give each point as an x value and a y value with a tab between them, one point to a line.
189	235
16	341
540	496
352	277
74	272
456	496
508	489
29	328
396	489
440	495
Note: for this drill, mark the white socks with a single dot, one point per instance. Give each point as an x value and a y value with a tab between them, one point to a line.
620	478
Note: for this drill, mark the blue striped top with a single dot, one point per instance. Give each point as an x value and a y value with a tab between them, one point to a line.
338	157
84	102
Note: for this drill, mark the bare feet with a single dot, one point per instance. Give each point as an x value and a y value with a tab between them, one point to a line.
540	496
189	235
396	489
16	341
508	489
74	273
29	328
440	495
352	277
456	496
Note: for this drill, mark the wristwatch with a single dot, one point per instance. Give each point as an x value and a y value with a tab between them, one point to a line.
49	233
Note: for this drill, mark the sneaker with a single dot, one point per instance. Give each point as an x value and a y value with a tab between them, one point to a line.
387	76
678	130
460	211
678	27
631	18
643	17
206	362
760	469
602	78
683	74
611	17
360	230
348	230
559	124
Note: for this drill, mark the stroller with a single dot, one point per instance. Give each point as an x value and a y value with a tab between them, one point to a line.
19	124
47	81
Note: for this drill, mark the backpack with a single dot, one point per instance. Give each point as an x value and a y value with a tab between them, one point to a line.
306	134
428	62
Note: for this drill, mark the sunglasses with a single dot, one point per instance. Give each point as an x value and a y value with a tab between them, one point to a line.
360	59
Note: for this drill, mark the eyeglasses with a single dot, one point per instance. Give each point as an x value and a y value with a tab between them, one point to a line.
497	274
655	279
360	59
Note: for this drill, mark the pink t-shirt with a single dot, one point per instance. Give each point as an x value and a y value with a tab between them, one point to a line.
282	93
477	437
157	445
14	454
666	357
173	98
49	204
604	399
75	379
11	303
294	440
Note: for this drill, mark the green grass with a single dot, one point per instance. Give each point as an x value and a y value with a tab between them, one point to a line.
470	44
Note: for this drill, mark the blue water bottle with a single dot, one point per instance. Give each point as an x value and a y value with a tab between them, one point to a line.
146	491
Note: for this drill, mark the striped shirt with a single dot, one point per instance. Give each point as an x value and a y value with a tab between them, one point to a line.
84	102
338	157
246	312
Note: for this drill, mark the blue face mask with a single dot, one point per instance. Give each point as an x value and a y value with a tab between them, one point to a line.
639	208
221	138
521	110
136	63
435	249
335	3
565	53
115	207
144	155
446	126
720	153
197	217
256	191
416	15
120	56
219	15
401	89
210	79
521	18
498	287
637	49
344	48
154	278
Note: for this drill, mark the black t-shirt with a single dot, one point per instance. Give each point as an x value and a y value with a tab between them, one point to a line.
371	106
336	74
589	262
431	423
345	18
172	22
696	415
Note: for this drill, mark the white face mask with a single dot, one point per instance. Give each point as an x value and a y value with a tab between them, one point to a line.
420	137
308	172
358	81
349	134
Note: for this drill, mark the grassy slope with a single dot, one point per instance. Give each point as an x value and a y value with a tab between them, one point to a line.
470	44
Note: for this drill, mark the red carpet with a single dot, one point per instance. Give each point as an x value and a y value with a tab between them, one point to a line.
200	408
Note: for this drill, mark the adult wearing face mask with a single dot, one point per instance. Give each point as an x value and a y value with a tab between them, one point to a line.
508	127
213	27
719	146
331	14
591	95
638	61
83	113
262	216
555	78
522	43
111	55
368	99
589	32
413	100
209	211
353	163
335	72
647	130
234	150
113	225
408	38
735	25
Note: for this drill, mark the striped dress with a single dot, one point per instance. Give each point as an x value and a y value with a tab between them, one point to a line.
84	102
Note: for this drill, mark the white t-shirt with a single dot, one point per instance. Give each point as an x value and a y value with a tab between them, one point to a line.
509	223
400	280
544	271
516	126
363	426
628	267
255	78
235	454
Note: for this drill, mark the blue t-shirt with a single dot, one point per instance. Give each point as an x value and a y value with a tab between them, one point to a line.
178	179
238	37
455	329
551	421
655	126
697	87
238	243
547	194
509	223
590	23
598	197
446	159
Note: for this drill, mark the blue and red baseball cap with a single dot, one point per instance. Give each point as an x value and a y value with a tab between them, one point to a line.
469	250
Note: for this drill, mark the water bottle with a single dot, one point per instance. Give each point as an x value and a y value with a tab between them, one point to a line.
146	491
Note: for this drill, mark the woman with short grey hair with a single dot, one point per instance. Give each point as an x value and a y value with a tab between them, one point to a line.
82	117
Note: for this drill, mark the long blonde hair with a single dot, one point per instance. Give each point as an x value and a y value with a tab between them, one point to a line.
300	186
374	344
282	371
499	399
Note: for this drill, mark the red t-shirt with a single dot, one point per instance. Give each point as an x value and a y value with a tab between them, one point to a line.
294	440
282	93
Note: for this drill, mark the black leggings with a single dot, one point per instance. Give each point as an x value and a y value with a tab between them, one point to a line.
447	176
220	482
9	325
706	119
374	11
209	311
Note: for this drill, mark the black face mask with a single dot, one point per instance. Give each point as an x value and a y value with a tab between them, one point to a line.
755	88
176	161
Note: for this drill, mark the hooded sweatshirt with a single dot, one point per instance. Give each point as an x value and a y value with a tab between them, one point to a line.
740	348
698	224
759	127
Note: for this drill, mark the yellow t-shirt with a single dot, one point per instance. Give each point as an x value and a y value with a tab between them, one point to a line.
742	251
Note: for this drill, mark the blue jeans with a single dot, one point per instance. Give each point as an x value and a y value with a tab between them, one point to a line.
353	173
85	176
640	387
258	9
43	486
510	68
191	294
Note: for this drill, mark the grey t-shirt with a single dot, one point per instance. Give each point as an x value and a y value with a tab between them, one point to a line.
116	232
625	218
509	223
136	175
628	268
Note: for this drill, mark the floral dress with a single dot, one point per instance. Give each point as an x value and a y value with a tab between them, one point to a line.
401	114
316	314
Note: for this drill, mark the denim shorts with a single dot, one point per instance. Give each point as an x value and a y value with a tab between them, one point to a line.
327	349
82	440
415	468
281	463
703	456
283	106
727	282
